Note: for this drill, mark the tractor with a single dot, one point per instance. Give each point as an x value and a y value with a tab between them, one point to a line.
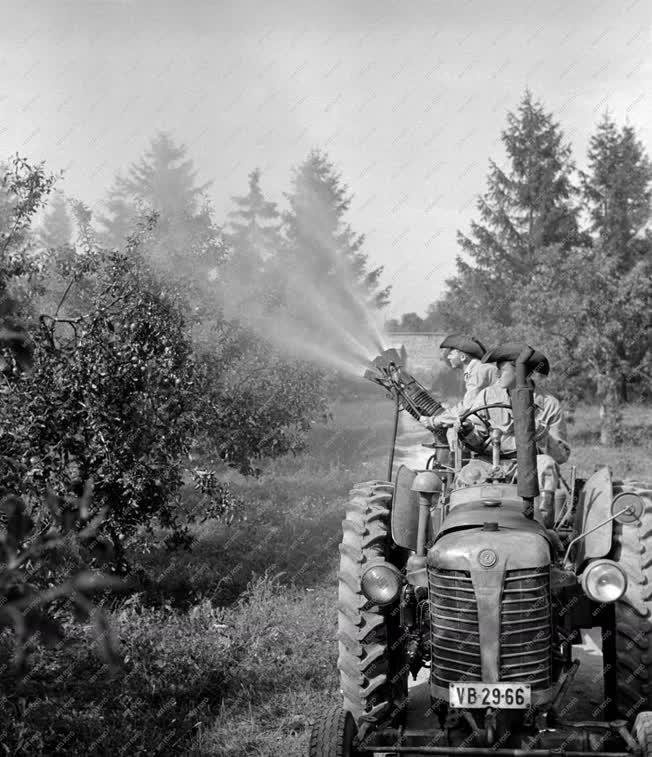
479	587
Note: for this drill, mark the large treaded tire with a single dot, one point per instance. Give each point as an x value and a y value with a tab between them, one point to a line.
333	735
633	612
373	684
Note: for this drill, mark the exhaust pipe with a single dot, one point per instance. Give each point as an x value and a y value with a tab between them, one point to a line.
524	430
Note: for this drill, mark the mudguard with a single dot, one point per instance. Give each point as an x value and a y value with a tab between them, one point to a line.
405	509
594	506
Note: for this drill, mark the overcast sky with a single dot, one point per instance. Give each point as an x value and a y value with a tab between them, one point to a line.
408	98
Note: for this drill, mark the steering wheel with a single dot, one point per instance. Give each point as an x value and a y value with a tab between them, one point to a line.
476	411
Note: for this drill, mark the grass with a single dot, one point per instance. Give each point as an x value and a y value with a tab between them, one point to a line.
230	649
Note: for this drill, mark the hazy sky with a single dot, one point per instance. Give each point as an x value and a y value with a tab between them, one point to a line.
408	98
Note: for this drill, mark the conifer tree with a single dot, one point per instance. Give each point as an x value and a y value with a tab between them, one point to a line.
319	240
528	206
57	227
185	242
252	232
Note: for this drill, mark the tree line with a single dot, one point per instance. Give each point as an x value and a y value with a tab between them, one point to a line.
560	257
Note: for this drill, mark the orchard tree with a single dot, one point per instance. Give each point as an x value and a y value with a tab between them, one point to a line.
111	396
33	588
255	403
529	205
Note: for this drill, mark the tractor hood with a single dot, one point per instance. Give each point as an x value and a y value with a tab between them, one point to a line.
475	506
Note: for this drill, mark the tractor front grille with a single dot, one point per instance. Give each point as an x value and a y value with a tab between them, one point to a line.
454	635
525	627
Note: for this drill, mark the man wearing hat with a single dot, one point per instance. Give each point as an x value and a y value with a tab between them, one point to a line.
550	427
464	353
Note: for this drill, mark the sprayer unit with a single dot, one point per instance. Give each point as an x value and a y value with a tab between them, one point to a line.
412	396
409	395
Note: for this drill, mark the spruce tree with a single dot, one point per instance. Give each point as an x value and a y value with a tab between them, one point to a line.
252	232
589	307
185	242
617	193
617	190
57	227
320	243
528	206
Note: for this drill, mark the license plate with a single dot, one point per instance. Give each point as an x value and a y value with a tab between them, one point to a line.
506	696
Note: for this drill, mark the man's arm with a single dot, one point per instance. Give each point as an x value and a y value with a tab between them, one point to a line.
479	377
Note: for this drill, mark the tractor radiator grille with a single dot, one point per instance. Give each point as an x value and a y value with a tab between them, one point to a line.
454	636
525	628
525	633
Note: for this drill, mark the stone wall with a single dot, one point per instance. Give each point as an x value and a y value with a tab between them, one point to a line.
424	360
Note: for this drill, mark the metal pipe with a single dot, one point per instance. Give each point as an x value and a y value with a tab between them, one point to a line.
482	751
590	531
422	527
397	410
524	429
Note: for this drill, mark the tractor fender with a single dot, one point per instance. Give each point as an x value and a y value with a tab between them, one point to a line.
405	509
593	507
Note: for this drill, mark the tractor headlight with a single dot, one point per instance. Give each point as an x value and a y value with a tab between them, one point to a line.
604	581
381	583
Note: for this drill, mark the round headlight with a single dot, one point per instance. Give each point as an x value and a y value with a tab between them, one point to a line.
381	583
604	581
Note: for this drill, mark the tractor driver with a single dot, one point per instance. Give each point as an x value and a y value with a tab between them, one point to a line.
464	353
550	426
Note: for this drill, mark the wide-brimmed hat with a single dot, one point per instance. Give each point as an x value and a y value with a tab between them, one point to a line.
510	352
464	343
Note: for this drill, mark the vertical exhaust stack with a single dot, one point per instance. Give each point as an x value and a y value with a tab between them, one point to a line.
524	429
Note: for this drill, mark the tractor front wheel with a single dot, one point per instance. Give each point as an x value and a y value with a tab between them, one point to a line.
643	732
333	735
373	677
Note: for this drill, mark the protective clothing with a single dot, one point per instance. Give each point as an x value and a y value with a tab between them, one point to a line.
550	426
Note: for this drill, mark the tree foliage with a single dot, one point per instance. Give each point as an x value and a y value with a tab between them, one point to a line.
111	396
591	307
583	295
256	403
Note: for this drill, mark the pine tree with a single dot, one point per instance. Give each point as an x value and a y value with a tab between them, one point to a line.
57	227
528	207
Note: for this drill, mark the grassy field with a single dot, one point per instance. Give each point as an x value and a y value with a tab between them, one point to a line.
229	649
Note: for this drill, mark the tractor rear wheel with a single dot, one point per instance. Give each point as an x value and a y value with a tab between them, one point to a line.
333	735
633	611
373	677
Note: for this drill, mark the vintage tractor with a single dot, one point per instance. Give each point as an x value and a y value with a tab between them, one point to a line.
485	586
